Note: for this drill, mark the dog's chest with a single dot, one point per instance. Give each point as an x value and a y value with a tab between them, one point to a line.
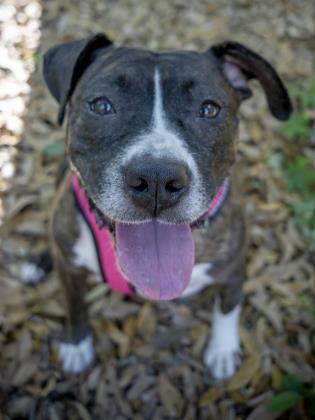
85	254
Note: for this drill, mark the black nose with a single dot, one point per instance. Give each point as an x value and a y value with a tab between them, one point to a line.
156	184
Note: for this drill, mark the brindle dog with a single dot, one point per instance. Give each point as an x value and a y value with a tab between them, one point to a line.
151	139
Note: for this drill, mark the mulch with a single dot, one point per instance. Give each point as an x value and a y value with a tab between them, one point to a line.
149	355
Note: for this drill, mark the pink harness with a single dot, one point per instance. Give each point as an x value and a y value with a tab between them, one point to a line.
109	267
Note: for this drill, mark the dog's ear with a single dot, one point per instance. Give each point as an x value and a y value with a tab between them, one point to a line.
240	64
64	64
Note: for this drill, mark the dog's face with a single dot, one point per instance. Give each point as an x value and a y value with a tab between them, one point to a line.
151	136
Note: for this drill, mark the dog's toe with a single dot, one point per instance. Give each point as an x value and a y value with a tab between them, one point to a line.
223	362
76	357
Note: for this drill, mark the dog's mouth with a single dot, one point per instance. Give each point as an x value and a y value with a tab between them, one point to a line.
157	258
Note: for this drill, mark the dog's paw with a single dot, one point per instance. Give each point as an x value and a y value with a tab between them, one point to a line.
75	358
30	273
222	361
222	355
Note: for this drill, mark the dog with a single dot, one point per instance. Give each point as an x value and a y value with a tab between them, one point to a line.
151	199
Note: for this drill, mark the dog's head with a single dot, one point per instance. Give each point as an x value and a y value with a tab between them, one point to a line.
151	136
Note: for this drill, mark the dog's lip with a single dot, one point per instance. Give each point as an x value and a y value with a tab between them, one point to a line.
111	223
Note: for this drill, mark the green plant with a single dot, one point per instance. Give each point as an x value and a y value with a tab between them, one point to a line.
293	394
300	177
300	124
299	173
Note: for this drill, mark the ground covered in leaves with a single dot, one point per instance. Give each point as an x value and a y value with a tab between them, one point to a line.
149	356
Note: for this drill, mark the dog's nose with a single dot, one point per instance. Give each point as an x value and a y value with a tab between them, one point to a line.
156	184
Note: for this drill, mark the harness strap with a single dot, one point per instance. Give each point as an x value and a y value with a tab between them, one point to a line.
219	199
109	267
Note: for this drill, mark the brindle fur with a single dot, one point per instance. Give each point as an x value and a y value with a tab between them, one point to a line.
224	244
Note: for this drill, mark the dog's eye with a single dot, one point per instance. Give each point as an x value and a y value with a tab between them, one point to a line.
209	109
101	106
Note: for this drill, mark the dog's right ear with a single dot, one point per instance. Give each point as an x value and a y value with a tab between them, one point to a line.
64	64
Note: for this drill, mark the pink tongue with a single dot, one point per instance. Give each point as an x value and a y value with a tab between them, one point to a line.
157	258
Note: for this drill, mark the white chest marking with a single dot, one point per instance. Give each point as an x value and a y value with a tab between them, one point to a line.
84	249
199	279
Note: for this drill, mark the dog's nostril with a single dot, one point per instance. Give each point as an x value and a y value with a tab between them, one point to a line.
178	184
139	184
174	186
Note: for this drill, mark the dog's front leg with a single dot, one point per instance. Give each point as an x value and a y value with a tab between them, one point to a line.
222	354
76	350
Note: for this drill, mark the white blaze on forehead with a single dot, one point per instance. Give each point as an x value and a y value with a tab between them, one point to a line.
160	139
158	117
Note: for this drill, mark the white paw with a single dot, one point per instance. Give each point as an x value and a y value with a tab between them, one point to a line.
222	355
76	357
222	362
30	273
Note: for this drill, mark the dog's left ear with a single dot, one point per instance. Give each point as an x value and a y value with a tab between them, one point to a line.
64	64
240	64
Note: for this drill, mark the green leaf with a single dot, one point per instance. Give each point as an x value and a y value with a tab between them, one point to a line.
54	149
275	161
306	97
291	383
305	211
297	126
283	401
36	57
300	175
152	44
300	178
